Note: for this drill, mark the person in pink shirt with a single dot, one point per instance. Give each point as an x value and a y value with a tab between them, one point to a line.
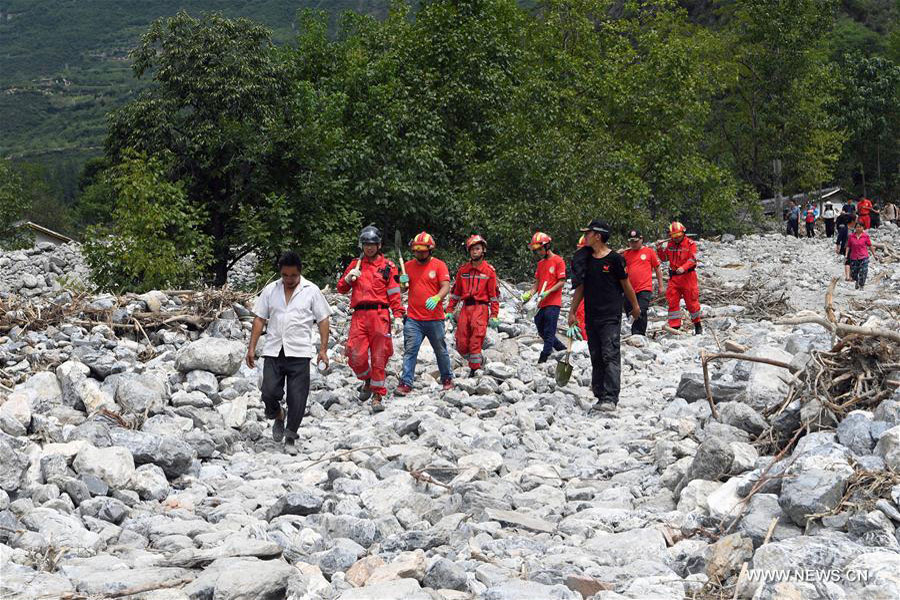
858	244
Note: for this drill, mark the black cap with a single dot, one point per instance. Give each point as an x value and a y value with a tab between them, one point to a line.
598	226
634	234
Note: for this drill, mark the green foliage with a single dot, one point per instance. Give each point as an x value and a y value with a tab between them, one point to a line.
13	207
154	241
217	86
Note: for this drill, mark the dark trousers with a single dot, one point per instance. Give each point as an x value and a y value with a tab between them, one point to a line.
546	320
810	230
639	325
792	227
277	369
829	227
606	363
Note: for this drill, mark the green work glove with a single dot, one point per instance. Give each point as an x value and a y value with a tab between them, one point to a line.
544	295
494	322
432	302
526	296
450	317
574	332
404	279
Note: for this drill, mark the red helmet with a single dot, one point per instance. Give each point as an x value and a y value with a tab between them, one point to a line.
676	230
475	239
539	239
423	241
581	242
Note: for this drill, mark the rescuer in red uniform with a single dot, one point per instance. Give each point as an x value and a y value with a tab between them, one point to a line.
374	286
681	254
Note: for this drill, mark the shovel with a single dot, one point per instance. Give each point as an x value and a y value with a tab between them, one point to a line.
564	367
398	243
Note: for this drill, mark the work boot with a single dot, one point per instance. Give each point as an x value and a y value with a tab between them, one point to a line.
403	389
290	446
377	404
447	384
543	358
473	372
278	427
365	391
698	328
604	406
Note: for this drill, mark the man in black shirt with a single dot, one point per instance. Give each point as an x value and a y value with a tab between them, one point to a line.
600	279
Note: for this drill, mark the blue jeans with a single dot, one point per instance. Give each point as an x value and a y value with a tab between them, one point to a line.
546	320
414	332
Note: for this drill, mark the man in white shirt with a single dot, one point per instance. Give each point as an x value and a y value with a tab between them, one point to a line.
288	309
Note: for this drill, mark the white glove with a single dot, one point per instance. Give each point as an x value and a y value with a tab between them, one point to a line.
353	274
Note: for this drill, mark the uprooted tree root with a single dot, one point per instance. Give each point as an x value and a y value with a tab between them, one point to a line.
864	489
759	303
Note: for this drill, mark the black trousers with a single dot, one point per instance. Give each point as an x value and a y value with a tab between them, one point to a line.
639	325
277	369
606	361
810	230
546	321
829	227
792	226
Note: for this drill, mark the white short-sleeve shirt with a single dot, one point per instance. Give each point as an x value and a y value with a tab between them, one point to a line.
290	326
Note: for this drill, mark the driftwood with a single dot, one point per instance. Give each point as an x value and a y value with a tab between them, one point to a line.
706	358
841	329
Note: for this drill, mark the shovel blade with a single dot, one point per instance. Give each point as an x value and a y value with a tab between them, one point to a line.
563	373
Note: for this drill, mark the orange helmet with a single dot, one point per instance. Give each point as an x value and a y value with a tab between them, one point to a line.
423	241
539	239
676	230
581	242
475	239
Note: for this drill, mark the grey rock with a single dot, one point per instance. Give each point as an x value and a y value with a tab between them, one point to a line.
713	459
855	432
106	509
340	557
517	589
171	454
216	355
814	484
399	589
150	483
888	410
107	582
738	414
114	465
305	502
445	574
23	583
140	393
201	381
94	485
888	448
692	388
12	465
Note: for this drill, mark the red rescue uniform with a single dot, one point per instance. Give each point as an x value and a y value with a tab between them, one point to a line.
864	210
374	296
579	317
476	288
681	253
550	271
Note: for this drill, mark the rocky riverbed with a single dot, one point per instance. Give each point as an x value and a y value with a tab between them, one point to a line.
138	460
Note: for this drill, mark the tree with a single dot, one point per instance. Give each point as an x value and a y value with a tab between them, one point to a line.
775	104
217	88
869	110
13	208
154	240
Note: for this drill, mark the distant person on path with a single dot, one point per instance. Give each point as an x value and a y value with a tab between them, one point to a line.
845	221
810	216
288	309
549	280
858	246
793	219
476	288
828	217
429	284
889	212
641	262
864	212
373	283
681	254
600	280
876	213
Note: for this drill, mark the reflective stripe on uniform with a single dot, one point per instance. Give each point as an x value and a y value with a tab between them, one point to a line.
674	313
694	315
475	359
364	374
376	384
392	291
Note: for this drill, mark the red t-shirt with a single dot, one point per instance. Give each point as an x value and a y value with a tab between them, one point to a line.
424	282
551	270
864	207
641	264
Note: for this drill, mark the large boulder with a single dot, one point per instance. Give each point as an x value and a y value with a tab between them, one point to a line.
114	465
140	393
80	391
171	454
216	355
713	459
888	448
692	388
738	414
814	484
13	463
